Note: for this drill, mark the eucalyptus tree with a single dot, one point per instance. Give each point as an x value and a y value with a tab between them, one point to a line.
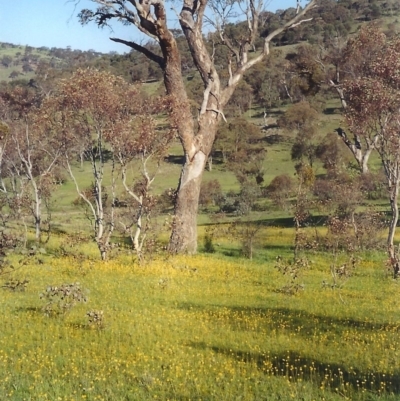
28	158
373	111
142	144
151	18
346	59
85	111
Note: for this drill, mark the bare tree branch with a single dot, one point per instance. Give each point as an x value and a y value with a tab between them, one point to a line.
295	21
146	52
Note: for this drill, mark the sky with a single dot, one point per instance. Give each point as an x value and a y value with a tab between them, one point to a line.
54	23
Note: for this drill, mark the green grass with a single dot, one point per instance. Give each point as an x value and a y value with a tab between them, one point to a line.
5	74
201	328
152	88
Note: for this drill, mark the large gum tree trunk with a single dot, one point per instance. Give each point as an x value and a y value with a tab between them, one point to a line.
184	231
197	140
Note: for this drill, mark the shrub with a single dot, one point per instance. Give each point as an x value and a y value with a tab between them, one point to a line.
208	243
210	193
280	190
293	269
61	299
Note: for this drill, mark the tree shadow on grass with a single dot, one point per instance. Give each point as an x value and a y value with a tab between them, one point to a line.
81	326
276	247
234	253
288	222
332	110
175	159
295	367
30	309
285	320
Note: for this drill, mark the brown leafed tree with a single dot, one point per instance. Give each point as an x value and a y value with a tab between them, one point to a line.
331	153
29	158
86	111
344	59
196	137
328	62
140	141
374	111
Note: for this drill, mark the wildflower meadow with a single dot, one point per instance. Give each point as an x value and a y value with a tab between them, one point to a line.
206	327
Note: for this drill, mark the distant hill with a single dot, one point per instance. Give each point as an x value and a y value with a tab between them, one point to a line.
23	62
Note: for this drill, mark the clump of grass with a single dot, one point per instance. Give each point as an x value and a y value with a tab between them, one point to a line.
16	285
95	319
208	243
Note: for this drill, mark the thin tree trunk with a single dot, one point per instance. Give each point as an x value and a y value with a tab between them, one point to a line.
394	257
136	242
210	163
354	224
361	155
37	214
138	231
364	163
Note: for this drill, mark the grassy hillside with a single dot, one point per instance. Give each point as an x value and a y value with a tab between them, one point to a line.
26	59
17	53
